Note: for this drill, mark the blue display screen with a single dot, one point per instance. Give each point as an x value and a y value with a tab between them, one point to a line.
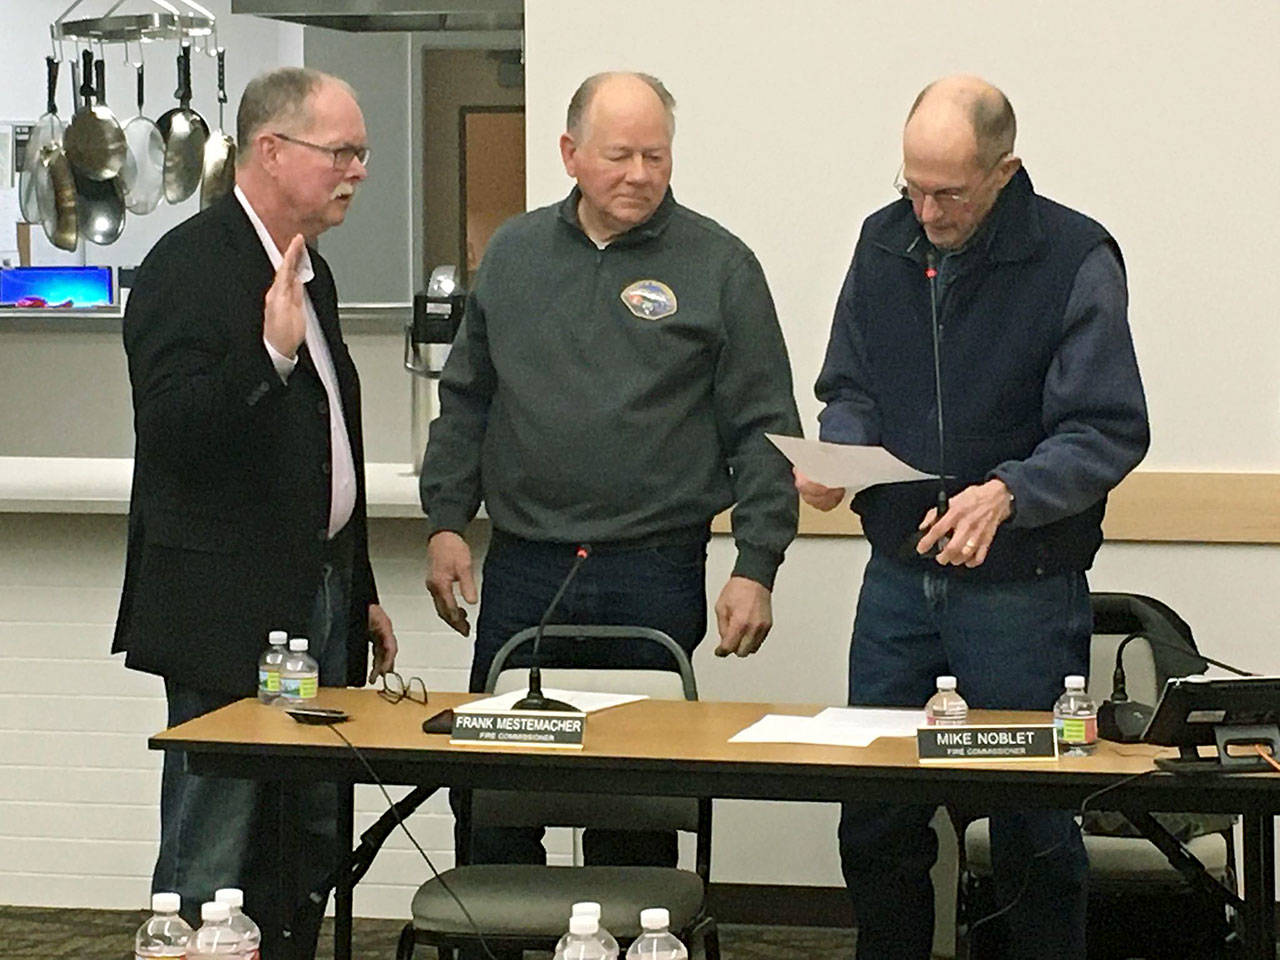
56	287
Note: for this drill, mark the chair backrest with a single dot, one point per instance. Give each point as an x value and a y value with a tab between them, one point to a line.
494	808
1147	665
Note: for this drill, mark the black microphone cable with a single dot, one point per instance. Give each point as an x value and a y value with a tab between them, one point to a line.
1049	851
434	872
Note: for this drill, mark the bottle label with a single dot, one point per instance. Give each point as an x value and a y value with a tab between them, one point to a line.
269	680
299	688
1077	729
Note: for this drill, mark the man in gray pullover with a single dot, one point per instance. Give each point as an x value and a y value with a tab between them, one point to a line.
617	369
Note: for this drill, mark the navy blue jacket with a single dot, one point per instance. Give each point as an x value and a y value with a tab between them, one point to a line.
1039	381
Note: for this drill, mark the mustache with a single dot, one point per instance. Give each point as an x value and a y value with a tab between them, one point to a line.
343	190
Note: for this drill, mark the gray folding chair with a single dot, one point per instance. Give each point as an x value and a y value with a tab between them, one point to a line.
527	906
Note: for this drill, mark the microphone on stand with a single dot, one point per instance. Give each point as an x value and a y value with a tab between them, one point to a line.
942	503
534	699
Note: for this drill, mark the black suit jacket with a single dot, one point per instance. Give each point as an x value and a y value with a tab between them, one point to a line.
230	507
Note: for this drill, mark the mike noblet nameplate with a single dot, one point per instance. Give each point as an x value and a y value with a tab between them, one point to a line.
1035	741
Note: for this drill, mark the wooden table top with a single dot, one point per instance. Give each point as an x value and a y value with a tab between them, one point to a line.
669	730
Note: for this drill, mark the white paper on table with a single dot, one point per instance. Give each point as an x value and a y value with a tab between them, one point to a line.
845	465
582	700
836	726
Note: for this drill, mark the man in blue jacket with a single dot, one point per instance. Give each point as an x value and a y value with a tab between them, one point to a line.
1044	414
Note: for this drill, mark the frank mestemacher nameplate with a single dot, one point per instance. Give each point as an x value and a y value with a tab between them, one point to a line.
1005	742
534	728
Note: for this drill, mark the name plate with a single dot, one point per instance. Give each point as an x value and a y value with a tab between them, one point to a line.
1004	742
534	728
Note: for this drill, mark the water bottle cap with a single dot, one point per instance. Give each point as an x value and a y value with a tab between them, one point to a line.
298	644
231	896
213	910
583	926
1075	682
277	638
655	918
946	683
165	903
586	908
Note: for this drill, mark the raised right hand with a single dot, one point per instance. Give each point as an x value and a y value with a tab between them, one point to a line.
449	562
284	323
815	494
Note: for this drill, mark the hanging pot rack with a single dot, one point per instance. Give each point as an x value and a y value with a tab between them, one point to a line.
168	22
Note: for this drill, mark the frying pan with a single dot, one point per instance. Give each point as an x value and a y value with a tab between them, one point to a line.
94	143
219	149
185	134
142	176
56	189
48	129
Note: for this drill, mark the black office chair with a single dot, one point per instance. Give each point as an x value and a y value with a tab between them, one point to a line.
1139	905
527	906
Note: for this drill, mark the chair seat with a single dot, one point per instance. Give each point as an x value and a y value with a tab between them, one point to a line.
1113	858
535	901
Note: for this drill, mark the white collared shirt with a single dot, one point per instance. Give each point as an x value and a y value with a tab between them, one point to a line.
342	476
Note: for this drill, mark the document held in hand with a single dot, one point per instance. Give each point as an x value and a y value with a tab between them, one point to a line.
845	465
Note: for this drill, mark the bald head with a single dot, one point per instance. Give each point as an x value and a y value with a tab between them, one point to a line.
966	113
615	92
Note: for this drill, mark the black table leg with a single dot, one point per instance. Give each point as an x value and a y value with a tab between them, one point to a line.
1259	887
342	892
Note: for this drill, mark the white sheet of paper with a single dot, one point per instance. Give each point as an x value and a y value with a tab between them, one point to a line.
10	217
584	700
836	726
845	465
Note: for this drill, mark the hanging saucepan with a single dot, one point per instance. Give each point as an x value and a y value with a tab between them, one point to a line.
219	150
142	176
48	129
94	143
185	134
56	189
99	204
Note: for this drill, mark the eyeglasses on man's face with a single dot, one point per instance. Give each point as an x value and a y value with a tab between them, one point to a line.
393	688
946	197
343	156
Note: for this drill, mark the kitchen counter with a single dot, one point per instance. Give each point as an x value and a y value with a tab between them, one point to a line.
101	485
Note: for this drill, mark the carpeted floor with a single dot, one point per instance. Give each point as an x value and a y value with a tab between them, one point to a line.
41	933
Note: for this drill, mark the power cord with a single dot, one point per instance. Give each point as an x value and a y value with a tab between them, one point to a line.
400	822
1266	755
1048	851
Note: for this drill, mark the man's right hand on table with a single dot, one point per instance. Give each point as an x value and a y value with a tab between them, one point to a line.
815	494
449	563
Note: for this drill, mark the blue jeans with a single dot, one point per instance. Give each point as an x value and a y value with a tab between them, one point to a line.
662	587
220	832
1009	646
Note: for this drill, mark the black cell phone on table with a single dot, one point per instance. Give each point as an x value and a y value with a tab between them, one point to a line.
320	715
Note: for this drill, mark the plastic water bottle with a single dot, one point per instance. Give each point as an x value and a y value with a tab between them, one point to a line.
215	938
656	942
250	935
299	674
1075	717
946	708
589	908
582	941
269	666
165	934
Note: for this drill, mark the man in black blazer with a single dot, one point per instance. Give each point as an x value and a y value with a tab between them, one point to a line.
248	507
